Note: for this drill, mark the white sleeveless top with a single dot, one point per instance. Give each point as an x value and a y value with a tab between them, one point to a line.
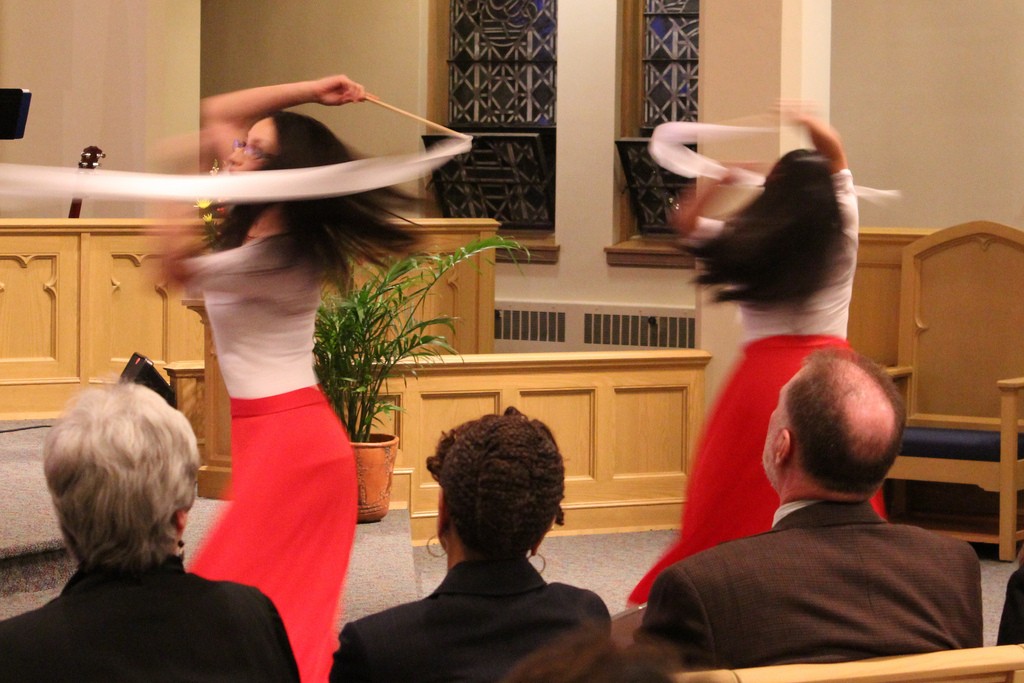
262	311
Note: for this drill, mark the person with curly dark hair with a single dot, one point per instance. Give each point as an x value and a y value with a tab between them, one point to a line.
291	523
502	481
788	259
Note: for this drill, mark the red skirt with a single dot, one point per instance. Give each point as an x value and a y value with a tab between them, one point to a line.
291	522
728	495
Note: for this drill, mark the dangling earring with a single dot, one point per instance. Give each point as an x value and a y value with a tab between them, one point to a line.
543	562
437	544
181	550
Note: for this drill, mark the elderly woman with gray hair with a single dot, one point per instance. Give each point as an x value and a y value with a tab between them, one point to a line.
121	468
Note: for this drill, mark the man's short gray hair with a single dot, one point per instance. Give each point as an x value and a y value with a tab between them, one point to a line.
119	463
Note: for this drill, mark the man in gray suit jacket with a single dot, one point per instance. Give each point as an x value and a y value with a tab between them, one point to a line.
832	581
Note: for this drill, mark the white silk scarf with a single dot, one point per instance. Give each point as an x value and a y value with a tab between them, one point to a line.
668	149
278	185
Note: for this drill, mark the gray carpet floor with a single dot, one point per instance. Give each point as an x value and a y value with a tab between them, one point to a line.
385	568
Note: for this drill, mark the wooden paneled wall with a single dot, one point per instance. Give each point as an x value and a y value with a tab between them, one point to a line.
875	308
77	298
626	423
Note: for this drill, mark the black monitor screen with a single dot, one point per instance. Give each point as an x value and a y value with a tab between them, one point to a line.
13	112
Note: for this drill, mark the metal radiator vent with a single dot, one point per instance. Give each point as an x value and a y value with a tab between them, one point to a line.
539	326
533	326
638	330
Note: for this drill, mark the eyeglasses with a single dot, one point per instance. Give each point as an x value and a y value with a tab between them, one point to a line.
250	150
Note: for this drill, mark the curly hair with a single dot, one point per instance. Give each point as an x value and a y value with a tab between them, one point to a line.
778	248
503	480
332	230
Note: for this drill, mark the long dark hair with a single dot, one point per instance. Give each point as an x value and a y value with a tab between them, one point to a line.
779	248
332	230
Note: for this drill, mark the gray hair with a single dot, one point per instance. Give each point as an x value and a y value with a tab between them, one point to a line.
119	463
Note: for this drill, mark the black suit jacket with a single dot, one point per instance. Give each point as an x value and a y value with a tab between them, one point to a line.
480	621
831	582
165	625
1011	623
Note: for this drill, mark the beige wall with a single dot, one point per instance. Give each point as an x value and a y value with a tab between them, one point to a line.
586	191
118	74
929	95
380	44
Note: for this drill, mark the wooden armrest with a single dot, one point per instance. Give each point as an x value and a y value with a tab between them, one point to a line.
996	663
713	676
899	371
1015	384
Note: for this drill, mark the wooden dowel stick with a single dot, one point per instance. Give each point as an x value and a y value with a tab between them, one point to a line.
438	126
765	120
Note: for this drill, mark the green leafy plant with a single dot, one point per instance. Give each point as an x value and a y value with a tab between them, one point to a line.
363	333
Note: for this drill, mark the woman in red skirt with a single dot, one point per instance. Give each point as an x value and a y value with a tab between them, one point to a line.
788	259
290	524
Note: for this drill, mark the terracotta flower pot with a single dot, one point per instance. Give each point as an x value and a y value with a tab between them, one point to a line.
375	463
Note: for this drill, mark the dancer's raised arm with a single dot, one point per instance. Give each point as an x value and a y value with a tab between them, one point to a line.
692	204
823	136
228	116
245	107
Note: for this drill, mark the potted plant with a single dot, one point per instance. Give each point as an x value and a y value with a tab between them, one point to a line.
363	332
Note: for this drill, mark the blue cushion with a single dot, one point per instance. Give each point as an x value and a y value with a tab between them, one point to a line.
955	444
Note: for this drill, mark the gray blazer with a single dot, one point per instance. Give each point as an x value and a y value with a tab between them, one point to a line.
831	582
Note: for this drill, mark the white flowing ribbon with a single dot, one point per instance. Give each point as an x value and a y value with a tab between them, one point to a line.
668	149
263	186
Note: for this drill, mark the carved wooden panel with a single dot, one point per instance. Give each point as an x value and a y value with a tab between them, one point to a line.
874	310
651	430
963	319
39	291
570	415
624	421
77	298
135	308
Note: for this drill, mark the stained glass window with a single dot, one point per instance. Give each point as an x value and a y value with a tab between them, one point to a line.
505	177
670	61
501	67
652	189
501	88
